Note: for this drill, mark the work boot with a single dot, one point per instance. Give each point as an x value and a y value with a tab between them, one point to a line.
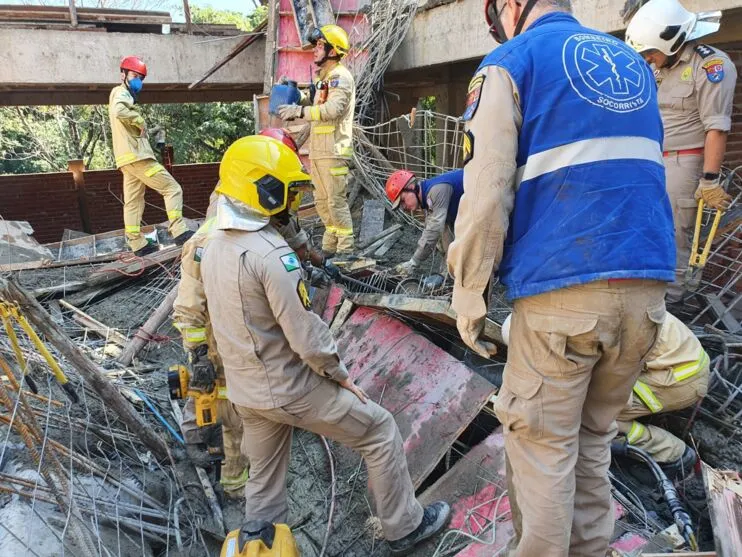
681	468
435	519
151	247
181	239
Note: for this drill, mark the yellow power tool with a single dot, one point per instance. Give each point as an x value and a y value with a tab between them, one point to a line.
259	538
178	380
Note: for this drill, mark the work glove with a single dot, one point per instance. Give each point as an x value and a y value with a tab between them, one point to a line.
332	270
318	278
290	111
713	195
470	330
407	268
203	374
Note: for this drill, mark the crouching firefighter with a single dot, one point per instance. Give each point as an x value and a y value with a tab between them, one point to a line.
674	377
439	197
280	361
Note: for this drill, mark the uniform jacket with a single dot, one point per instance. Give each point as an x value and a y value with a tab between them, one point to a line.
564	154
273	347
696	95
331	115
440	197
127	125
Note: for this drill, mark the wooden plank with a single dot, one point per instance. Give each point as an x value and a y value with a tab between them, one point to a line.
432	396
434	308
724	498
140	265
145	332
342	314
388	244
94	325
383	234
684	554
477	480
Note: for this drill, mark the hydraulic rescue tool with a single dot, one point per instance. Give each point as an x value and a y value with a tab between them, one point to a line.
179	383
259	538
11	310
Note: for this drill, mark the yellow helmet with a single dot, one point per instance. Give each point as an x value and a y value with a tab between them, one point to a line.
334	35
258	171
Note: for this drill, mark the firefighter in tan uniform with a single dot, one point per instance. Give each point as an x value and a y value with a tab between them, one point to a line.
696	92
331	136
564	196
280	360
675	376
135	159
191	318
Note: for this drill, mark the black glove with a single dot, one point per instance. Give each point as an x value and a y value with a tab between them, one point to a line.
203	374
332	270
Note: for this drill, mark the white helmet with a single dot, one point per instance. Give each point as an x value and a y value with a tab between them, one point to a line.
665	25
506	330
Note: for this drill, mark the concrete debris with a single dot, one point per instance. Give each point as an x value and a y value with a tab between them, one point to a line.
18	247
372	221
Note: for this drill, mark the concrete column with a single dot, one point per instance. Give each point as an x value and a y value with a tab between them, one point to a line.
77	168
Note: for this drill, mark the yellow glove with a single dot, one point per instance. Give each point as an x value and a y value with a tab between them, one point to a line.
290	111
713	195
470	330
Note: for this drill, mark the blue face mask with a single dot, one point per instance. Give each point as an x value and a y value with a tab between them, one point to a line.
135	85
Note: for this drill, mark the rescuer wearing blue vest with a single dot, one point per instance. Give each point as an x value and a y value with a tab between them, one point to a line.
564	196
439	197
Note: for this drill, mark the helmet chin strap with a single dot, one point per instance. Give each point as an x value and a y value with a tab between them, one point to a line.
523	17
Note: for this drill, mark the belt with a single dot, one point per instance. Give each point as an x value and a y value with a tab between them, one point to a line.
696	151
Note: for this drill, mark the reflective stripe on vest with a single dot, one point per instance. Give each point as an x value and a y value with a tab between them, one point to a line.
324	129
128	158
346	152
154	169
646	395
685	371
339	170
133	229
588	151
221	393
635	433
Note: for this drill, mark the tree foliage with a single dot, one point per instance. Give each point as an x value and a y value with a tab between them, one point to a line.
44	138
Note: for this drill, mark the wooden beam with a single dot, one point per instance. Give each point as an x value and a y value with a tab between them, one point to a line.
724	499
94	325
145	332
138	266
93	375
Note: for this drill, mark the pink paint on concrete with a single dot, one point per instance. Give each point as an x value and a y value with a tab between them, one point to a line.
334	299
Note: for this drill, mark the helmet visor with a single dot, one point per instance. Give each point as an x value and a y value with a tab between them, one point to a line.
492	16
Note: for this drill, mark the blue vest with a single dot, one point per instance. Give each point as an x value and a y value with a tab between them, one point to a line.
591	201
455	179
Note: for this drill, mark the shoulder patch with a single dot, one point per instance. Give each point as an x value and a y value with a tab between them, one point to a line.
704	51
467	149
301	290
290	262
198	254
334	82
714	70
473	96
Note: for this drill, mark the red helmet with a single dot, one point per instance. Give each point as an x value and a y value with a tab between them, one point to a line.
397	182
134	64
282	135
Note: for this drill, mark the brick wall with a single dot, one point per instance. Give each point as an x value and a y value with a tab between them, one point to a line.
50	201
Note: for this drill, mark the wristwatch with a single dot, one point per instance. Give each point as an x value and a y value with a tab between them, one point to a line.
711	176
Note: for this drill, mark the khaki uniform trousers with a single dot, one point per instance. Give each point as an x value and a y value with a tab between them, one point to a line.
577	353
330	178
682	175
149	173
336	413
662	445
